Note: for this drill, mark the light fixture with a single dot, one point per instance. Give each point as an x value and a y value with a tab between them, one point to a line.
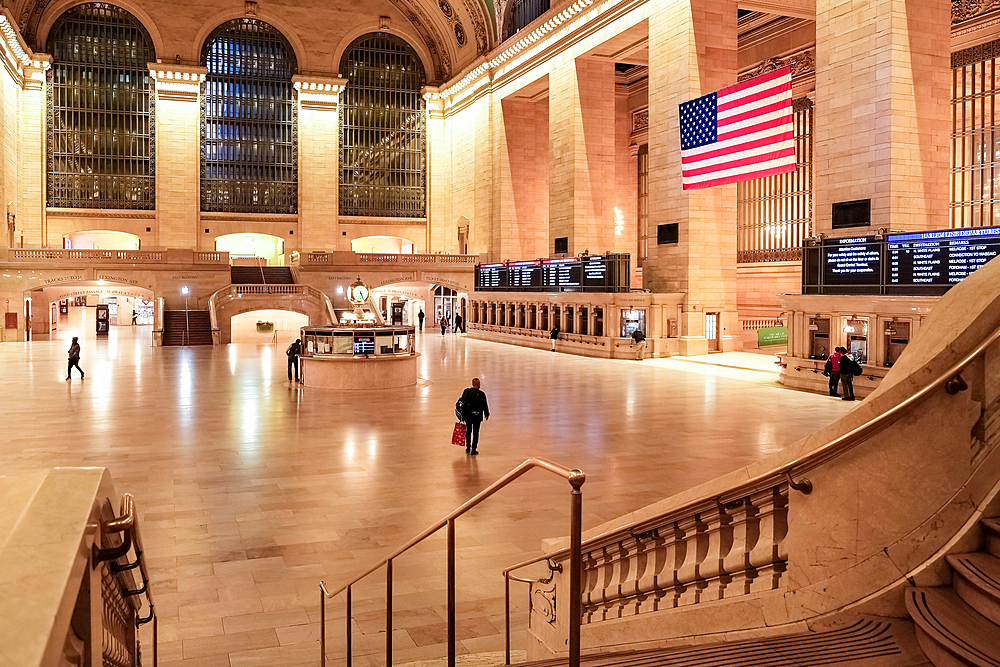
340	289
184	290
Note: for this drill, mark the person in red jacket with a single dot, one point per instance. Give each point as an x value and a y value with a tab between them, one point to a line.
832	370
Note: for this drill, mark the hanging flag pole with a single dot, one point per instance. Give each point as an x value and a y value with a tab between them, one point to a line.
740	133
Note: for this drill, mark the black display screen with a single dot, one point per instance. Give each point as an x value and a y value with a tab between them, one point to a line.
491	277
939	258
594	273
364	344
852	261
562	273
524	275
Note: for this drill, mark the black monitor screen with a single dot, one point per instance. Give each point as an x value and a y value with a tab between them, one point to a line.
940	258
852	213
852	261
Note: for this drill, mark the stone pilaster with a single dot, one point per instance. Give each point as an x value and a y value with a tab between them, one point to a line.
30	200
319	174
178	160
581	157
692	52
523	178
883	115
438	154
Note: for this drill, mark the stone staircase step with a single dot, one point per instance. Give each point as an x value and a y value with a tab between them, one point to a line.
977	581
991	529
949	631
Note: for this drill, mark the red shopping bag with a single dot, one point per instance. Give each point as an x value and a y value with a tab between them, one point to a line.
458	435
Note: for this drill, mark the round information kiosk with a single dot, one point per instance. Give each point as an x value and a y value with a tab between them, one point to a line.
358	352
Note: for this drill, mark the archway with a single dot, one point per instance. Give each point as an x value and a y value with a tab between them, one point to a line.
100	239
383	244
67	310
267	326
252	249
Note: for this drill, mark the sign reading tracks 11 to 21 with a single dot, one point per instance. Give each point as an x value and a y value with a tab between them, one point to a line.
917	263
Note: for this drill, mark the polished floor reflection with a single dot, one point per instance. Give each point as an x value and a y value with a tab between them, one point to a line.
252	489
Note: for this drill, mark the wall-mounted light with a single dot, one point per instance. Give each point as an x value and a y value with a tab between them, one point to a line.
185	291
619	221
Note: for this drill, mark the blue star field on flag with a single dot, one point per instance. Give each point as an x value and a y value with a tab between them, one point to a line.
698	123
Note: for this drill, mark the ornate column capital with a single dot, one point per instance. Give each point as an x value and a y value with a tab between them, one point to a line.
319	92
177	82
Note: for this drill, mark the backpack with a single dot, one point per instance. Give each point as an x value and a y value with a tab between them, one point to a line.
459	406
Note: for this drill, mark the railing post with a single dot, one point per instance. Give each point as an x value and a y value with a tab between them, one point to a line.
506	617
156	641
451	593
322	626
388	613
575	569
349	628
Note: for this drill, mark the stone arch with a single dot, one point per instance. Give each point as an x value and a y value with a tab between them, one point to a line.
43	16
286	30
414	40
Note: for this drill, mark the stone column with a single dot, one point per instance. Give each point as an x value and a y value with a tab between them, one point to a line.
441	230
319	173
883	115
523	187
29	209
178	158
581	155
692	52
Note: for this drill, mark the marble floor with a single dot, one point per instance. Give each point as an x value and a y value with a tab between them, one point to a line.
252	489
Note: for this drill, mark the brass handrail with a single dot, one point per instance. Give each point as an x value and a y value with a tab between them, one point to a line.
575	477
128	524
950	379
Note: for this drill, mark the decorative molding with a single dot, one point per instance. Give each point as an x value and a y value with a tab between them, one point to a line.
284	218
976	54
640	119
802	104
963	10
318	92
99	213
544	600
801	64
250	8
452	16
428	31
178	83
759	256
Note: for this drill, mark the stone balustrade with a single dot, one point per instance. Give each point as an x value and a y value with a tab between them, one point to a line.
42	257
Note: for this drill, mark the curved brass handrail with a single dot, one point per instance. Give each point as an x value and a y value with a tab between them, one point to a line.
575	477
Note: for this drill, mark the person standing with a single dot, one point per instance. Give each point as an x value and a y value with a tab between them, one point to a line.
420	318
553	335
444	324
459	324
848	369
74	359
639	339
832	370
474	410
293	352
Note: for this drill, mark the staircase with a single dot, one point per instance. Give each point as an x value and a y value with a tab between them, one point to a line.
261	275
960	625
176	321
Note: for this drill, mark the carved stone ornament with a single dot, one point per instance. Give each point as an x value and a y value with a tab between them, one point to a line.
963	10
250	8
640	119
383	22
976	54
543	600
799	63
460	34
446	9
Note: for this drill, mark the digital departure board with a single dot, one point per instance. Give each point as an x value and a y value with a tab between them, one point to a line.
593	273
915	263
852	261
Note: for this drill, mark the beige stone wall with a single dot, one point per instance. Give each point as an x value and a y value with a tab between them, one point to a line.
524	179
319	177
882	110
178	167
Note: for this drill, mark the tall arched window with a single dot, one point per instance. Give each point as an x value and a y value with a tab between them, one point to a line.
249	159
521	13
382	129
100	111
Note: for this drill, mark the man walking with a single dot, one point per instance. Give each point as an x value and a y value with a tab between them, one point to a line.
74	359
459	324
639	339
420	318
474	411
293	352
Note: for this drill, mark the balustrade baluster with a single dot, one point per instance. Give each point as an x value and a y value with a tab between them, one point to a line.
719	535
745	531
650	563
769	554
695	545
634	551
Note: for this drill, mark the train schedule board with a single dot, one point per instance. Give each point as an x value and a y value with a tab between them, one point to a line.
524	275
852	265
589	273
931	262
491	277
562	273
595	272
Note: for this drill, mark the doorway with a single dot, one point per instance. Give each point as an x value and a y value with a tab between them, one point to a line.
712	331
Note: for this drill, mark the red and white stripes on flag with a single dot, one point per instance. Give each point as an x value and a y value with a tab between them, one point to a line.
740	133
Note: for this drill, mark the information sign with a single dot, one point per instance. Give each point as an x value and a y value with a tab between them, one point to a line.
940	258
594	273
852	261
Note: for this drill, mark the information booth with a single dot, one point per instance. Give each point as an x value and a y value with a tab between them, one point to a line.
358	357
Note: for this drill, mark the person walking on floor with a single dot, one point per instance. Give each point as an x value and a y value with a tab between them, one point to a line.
848	369
293	352
74	359
553	335
639	339
420	318
444	324
832	370
474	410
459	324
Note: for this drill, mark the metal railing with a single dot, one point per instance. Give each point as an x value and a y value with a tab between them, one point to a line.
951	380
128	525
575	477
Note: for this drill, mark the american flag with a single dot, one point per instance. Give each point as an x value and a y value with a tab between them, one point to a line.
739	133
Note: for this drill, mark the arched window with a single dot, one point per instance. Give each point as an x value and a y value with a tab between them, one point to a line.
100	111
382	129
249	159
521	13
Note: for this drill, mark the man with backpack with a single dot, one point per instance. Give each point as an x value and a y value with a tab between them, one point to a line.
848	369
293	352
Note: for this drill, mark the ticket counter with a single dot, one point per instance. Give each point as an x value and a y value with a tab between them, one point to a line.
358	357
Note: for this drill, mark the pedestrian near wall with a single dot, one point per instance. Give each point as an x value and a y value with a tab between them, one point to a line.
553	335
444	324
848	369
420	318
293	352
832	370
475	409
459	324
74	359
639	339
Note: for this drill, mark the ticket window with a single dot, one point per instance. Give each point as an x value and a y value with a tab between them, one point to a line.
598	321
819	338
570	321
897	337
632	319
583	321
856	332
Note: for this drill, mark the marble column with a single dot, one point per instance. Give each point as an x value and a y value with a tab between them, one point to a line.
883	116
692	52
319	173
581	155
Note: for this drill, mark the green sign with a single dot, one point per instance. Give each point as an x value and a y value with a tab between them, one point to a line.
772	336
